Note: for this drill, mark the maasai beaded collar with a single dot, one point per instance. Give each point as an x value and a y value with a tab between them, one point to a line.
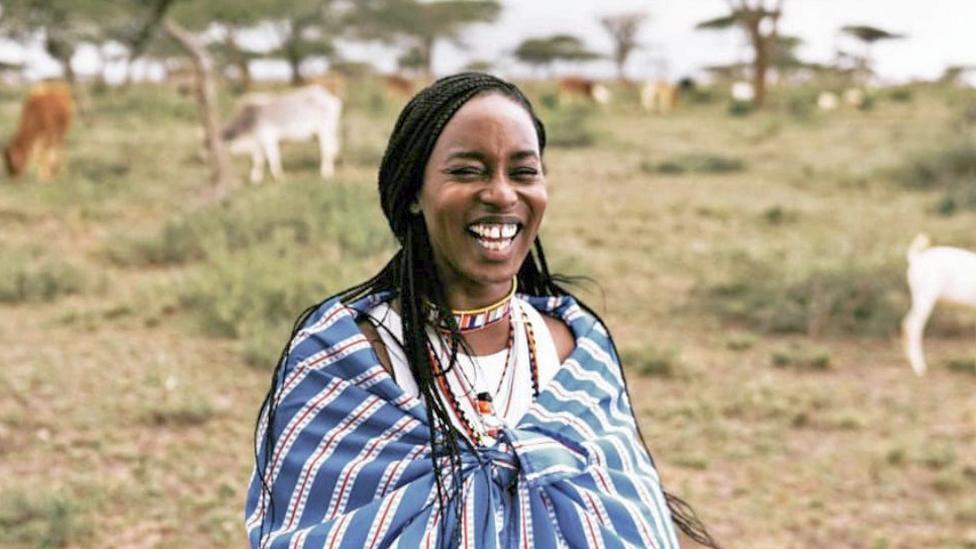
476	319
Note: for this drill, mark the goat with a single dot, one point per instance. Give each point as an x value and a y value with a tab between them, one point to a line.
935	274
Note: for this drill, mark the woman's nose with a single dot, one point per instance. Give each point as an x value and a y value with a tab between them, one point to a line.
500	193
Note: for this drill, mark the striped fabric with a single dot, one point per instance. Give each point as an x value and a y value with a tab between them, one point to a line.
351	464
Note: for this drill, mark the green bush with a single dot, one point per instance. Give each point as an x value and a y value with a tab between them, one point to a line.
847	298
570	127
24	278
300	212
695	163
651	361
32	519
801	358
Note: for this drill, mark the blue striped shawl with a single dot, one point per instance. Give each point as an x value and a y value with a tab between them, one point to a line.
351	462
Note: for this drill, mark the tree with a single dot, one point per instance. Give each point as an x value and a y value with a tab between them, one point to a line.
623	29
868	35
418	25
60	26
543	52
156	15
761	26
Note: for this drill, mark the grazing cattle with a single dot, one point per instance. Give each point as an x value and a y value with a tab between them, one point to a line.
590	90
659	97
743	92
265	120
934	274
44	121
335	83
855	97
398	86
827	101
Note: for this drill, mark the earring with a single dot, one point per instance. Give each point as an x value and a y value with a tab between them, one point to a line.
414	208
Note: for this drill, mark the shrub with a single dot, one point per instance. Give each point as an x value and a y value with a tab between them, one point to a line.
801	358
695	163
651	361
774	297
570	127
39	520
301	212
942	169
24	278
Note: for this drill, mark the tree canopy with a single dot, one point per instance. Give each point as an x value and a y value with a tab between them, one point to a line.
542	52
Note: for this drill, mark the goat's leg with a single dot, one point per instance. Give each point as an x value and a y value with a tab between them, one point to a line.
328	149
913	327
257	165
273	154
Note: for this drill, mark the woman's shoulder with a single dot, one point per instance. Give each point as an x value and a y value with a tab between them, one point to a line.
563	317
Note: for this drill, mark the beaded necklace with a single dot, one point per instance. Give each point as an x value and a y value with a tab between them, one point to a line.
484	430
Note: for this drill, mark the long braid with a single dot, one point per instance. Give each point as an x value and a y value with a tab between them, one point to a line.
411	276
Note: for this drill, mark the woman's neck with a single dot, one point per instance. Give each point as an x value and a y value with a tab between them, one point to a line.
466	298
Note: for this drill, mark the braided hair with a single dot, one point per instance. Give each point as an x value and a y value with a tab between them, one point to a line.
411	276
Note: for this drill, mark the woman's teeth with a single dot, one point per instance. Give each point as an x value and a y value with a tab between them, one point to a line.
495	236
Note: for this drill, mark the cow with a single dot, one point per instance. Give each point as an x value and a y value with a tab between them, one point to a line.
660	97
939	273
743	92
589	90
264	120
398	86
44	121
827	101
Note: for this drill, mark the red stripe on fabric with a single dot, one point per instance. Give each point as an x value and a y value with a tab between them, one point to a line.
318	456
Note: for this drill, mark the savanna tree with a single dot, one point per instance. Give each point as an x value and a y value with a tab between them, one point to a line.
541	53
623	29
759	20
61	26
868	35
417	26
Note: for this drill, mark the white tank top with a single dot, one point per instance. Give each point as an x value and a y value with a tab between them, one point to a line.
511	388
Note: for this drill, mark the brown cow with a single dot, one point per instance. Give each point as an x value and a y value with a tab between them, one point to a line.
398	86
44	121
589	90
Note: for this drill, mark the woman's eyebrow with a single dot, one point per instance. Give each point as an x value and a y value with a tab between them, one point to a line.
465	155
523	154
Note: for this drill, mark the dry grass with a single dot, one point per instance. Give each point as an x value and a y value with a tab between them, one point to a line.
127	399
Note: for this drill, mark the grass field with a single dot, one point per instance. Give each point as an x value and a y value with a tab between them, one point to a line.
750	267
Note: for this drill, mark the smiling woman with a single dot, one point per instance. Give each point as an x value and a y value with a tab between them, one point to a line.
460	397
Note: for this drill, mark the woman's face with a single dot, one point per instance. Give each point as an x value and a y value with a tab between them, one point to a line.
483	195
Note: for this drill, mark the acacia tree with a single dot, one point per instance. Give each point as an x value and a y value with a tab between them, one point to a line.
159	15
623	29
759	20
868	35
60	27
419	25
541	53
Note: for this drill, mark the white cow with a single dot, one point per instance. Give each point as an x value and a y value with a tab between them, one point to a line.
264	120
935	274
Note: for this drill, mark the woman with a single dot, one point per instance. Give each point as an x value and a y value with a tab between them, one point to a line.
460	397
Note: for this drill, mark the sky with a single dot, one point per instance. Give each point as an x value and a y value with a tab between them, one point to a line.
939	33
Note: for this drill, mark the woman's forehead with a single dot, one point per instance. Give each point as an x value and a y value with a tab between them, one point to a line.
490	120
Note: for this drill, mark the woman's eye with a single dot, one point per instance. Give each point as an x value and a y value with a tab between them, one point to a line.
468	171
525	173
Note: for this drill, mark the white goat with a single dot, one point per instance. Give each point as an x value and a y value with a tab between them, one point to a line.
934	274
300	114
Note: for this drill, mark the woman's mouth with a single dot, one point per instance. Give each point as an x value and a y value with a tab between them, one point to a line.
494	236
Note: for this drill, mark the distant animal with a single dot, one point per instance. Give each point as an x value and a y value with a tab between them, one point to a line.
935	274
265	120
827	101
576	87
855	97
398	86
335	83
743	92
660	97
44	121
